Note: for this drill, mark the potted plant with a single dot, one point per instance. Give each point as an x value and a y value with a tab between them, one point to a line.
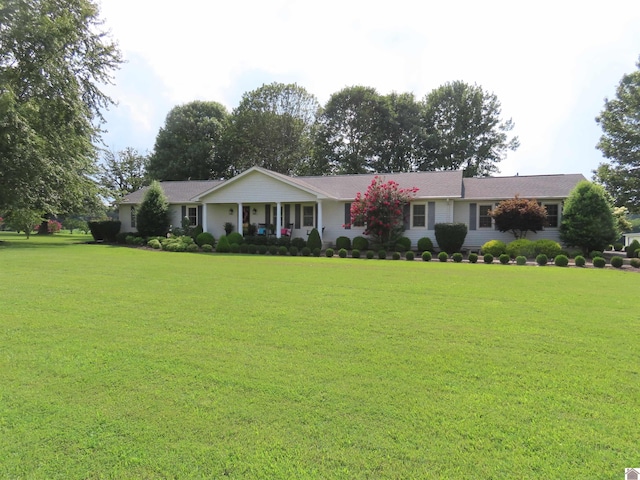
228	227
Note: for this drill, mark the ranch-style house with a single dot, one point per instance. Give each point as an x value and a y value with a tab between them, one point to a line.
283	205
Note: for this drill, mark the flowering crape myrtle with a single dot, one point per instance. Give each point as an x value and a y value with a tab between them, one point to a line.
380	211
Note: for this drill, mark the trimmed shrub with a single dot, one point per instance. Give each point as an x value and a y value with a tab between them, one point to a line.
450	236
542	259
253	249
403	243
617	262
521	260
443	256
343	243
152	215
207	248
548	247
306	251
355	253
234	248
282	250
370	254
504	259
409	255
273	250
360	243
316	252
342	253
494	247
618	246
457	257
473	258
426	256
561	260
396	256
193	248
425	244
579	261
205	237
599	262
298	242
154	243
630	249
314	241
329	252
293	251
244	248
129	239
382	254
637	253
488	258
635	262
223	245
235	237
105	230
121	237
595	254
521	247
262	249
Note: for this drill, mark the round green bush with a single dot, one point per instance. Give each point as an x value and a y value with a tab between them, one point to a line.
355	253
343	243
253	249
154	243
244	248
488	258
272	249
561	260
223	245
409	255
618	246
192	248
396	255
579	261
542	259
207	248
521	247
360	243
599	262
443	256
595	254
617	262
235	237
316	252
637	253
282	250
234	248
635	262
306	251
329	252
293	251
473	258
370	254
504	259
298	242
494	247
205	237
382	254
631	249
425	244
548	247
426	256
521	260
342	253
403	243
457	257
262	249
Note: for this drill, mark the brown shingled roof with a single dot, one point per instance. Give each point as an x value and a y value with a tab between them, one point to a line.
176	192
526	186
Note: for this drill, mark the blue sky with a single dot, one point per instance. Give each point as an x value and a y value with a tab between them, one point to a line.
550	63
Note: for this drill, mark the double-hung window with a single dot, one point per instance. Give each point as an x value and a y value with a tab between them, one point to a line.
192	213
552	214
484	220
307	216
419	215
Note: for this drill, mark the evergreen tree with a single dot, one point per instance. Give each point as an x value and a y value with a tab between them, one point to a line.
153	214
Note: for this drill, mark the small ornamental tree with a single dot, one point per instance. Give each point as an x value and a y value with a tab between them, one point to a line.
153	214
380	211
24	220
519	216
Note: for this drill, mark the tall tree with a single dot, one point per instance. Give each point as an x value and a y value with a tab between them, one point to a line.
53	60
402	141
587	218
187	147
152	216
465	130
351	132
620	142
272	128
123	172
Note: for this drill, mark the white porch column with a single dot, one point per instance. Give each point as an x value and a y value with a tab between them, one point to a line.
240	218
204	217
320	218
278	221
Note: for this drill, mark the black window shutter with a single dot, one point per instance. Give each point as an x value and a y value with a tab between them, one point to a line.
347	216
184	213
316	215
287	215
431	216
200	215
473	211
495	224
406	216
267	214
297	216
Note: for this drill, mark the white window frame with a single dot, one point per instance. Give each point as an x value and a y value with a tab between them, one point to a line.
306	217
557	215
489	207
423	215
193	219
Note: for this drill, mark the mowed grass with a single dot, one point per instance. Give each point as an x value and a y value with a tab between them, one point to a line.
123	363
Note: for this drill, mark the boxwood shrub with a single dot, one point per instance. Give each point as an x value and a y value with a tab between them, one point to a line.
494	247
617	262
207	248
488	258
205	237
192	248
579	261
342	253
343	243
396	255
426	256
298	242
262	249
504	259
293	251
403	243
635	262
316	252
409	255
521	260
450	236
282	250
273	250
595	254
425	244
370	254
473	258
244	248
618	246
548	247
561	260
630	249
521	247
223	245
329	252
355	253
234	248
360	243
443	256
542	259
599	262
382	254
306	251
457	257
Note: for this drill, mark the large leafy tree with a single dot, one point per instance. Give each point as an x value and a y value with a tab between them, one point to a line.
351	132
620	142
272	127
54	58
465	130
587	218
519	216
188	146
123	172
403	136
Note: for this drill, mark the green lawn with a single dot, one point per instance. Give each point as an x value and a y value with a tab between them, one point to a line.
125	363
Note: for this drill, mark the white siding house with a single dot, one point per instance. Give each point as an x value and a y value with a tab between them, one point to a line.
295	205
